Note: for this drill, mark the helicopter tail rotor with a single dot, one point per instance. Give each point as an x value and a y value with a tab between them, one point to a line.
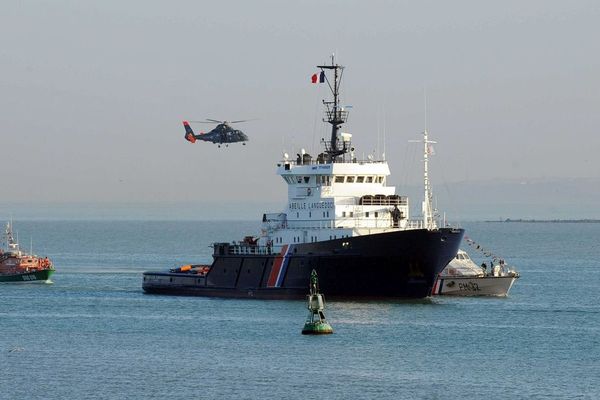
189	133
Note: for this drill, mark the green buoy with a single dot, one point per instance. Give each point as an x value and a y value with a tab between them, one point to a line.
315	322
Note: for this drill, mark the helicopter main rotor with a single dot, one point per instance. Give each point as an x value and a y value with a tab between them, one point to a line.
216	121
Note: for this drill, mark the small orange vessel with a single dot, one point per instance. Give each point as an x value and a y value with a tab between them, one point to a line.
18	266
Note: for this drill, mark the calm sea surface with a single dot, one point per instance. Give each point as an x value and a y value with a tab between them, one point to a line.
93	333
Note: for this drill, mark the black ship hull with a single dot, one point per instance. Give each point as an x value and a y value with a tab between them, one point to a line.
400	264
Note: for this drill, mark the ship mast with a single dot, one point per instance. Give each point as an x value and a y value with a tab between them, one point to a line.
11	244
334	114
428	212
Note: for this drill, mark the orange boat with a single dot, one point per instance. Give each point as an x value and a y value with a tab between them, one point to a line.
18	266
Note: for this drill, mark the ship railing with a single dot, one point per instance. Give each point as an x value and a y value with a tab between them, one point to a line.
383	200
353	222
269	226
338	116
243	249
415	224
311	224
318	161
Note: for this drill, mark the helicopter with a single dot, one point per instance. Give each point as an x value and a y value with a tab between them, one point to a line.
223	133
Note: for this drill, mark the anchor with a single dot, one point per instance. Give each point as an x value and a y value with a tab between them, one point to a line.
315	322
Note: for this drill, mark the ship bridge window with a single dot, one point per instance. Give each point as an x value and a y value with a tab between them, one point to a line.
369	179
360	179
325	180
380	179
349	179
339	179
306	179
299	179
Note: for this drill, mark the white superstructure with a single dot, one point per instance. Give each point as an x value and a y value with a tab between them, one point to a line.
335	200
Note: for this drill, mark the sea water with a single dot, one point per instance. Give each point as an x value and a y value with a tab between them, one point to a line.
94	334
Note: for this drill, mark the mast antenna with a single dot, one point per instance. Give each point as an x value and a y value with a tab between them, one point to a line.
384	126
425	100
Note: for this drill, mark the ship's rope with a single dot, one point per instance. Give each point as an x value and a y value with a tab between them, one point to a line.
476	246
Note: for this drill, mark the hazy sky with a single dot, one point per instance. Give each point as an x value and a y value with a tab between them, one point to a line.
93	93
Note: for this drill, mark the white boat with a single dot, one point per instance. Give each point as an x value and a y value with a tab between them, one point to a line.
462	277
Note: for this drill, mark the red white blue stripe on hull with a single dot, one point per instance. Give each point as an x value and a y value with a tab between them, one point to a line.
279	267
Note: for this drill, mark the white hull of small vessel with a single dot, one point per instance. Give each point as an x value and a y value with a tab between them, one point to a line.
473	286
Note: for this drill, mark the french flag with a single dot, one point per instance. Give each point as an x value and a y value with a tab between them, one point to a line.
318	77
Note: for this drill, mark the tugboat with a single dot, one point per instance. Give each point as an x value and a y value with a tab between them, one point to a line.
18	266
342	220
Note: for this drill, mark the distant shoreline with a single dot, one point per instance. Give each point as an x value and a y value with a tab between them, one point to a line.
569	221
